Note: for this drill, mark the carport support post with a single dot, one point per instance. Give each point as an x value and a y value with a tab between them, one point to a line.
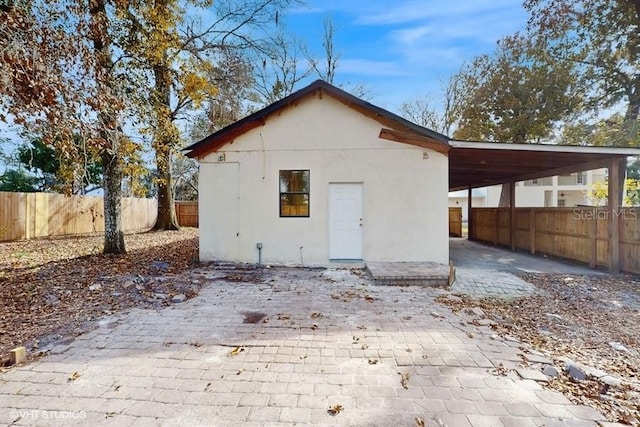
613	196
512	215
469	216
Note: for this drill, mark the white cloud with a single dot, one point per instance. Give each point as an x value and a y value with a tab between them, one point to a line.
369	67
413	34
441	35
446	13
306	9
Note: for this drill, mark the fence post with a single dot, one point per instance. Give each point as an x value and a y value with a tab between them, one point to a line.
512	216
496	234
615	187
593	238
28	206
469	213
532	231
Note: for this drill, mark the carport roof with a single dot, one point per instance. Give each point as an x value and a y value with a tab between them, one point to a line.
481	164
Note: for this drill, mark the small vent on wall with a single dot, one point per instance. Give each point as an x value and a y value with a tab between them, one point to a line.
221	157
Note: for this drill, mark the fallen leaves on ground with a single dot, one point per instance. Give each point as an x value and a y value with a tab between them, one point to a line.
404	379
349	295
53	288
500	370
335	409
236	351
591	320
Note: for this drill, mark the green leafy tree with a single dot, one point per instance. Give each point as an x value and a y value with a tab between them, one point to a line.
599	192
41	159
604	132
54	172
601	41
515	95
633	183
17	180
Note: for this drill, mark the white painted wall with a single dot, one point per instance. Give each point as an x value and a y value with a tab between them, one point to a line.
461	202
404	195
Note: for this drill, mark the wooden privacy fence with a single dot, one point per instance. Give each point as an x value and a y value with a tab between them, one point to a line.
579	234
187	213
34	215
455	222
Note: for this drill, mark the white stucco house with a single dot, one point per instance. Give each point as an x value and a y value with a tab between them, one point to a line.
322	176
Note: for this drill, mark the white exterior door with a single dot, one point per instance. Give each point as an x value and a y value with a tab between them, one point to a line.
345	221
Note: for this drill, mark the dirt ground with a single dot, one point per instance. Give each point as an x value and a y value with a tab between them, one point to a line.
588	321
53	288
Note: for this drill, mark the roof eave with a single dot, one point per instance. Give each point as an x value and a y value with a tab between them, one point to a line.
623	151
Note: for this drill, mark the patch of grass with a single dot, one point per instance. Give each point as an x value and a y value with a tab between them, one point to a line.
21	254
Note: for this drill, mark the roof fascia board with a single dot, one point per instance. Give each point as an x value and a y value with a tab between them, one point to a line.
415	140
629	151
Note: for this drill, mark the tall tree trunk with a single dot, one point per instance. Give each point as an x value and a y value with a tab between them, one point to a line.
113	233
167	219
163	144
109	131
505	194
633	111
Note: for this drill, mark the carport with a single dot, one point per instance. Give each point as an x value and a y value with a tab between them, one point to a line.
481	164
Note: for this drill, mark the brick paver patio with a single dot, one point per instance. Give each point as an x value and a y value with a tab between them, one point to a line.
282	350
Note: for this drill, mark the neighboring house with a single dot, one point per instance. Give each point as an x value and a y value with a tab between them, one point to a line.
322	176
569	190
558	191
458	199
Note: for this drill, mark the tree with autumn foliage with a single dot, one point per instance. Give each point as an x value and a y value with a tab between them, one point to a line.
515	95
60	81
178	58
601	41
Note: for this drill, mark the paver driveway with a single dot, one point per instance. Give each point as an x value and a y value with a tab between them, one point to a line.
327	338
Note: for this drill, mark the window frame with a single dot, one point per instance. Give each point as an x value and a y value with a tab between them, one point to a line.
307	193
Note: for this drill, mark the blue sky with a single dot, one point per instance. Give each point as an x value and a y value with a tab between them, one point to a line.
399	49
405	48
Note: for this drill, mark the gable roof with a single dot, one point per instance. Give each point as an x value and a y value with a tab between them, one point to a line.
401	130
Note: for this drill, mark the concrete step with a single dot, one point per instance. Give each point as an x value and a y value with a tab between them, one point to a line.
409	273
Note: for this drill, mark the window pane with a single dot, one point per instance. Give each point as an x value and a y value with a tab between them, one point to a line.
294	205
295	181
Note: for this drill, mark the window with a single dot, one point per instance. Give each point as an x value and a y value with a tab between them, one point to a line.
561	203
534	181
294	193
580	178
